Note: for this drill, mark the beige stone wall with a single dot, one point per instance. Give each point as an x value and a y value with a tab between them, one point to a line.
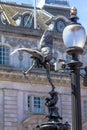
13	97
13	93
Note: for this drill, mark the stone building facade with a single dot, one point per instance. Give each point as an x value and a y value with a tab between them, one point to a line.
22	98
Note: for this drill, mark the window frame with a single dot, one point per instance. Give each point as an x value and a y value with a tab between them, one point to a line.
4	55
31	109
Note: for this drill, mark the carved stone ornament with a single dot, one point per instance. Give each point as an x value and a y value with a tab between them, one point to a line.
14	42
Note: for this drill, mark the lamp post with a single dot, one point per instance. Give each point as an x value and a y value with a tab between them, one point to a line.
74	37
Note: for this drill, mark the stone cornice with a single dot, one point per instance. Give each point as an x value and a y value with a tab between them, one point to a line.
35	77
21	31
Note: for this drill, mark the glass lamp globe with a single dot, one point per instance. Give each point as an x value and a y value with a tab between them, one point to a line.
74	35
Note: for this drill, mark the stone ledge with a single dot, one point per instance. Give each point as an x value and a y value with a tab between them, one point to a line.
33	77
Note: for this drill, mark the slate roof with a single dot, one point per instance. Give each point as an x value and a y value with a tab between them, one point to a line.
11	9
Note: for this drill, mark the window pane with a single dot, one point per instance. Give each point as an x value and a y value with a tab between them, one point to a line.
38	105
4	55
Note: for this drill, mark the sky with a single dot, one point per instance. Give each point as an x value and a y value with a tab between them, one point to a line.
81	6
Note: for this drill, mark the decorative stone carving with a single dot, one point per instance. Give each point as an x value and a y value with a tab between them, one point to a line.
23	42
11	41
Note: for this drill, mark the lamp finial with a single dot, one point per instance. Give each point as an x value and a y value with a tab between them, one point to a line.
73	11
73	14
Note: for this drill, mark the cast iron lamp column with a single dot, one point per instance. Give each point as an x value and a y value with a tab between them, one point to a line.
74	38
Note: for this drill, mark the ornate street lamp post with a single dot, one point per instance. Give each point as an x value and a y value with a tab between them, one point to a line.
74	37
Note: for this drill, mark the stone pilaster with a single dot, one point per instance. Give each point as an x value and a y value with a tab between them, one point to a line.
1	109
10	110
66	107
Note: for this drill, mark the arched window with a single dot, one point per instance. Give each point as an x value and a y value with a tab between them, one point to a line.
4	55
